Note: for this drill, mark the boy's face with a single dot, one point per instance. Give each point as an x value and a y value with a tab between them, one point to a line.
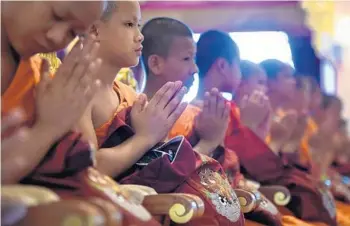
180	64
121	37
232	77
256	81
47	26
285	83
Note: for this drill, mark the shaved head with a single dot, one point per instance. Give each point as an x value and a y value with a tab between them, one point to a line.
48	25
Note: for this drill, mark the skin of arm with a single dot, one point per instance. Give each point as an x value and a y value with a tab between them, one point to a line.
114	161
205	147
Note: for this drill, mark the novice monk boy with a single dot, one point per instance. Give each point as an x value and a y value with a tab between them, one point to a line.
52	155
217	63
47	27
130	139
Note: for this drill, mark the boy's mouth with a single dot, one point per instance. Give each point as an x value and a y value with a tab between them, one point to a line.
139	49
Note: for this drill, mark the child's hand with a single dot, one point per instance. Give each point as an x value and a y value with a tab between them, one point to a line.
282	127
152	121
254	108
299	130
211	124
61	101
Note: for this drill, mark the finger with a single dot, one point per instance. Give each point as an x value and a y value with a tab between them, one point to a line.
227	110
168	96
15	118
66	68
82	66
44	76
220	106
160	93
89	87
90	80
177	113
173	103
212	103
215	92
206	103
140	103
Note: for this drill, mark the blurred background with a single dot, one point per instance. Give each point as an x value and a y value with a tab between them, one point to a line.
311	36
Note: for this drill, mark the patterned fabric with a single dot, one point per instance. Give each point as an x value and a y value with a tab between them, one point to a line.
126	76
53	60
189	173
266	212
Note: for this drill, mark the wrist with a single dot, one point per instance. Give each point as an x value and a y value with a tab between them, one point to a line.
206	147
41	131
144	141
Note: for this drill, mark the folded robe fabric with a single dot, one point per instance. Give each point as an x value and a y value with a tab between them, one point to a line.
66	165
188	173
259	163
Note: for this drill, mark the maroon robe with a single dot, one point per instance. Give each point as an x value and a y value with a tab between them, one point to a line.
309	202
188	173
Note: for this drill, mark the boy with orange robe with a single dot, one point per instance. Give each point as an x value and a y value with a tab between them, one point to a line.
47	152
129	131
216	71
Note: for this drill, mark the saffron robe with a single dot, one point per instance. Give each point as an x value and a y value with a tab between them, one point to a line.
67	167
188	173
307	201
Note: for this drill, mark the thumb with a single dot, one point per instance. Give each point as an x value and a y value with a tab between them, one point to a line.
44	76
140	102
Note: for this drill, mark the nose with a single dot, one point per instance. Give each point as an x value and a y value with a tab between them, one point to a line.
58	36
194	68
139	37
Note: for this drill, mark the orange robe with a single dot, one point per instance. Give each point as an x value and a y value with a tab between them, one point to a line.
185	126
188	173
68	166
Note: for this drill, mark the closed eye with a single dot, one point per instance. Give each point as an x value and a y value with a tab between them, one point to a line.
129	24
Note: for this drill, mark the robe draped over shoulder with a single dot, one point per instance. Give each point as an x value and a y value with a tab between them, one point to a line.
226	157
307	203
67	166
189	173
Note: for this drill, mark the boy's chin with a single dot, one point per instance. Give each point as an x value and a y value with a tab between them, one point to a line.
132	62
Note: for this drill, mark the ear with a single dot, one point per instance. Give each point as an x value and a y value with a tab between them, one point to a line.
155	64
221	65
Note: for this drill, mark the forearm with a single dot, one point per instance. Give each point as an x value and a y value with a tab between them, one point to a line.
114	161
26	156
